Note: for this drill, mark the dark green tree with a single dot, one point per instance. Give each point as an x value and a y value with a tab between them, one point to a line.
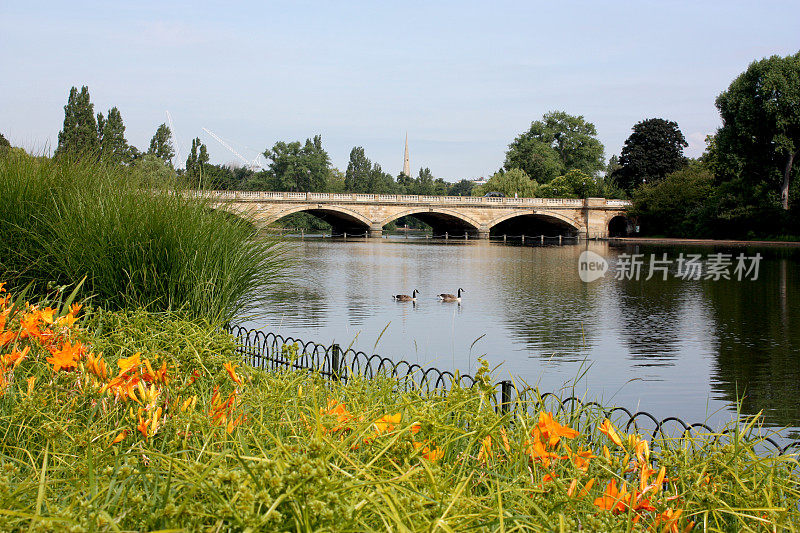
114	149
357	175
653	150
161	144
79	132
297	167
552	146
424	185
196	162
759	140
679	205
461	188
511	182
5	146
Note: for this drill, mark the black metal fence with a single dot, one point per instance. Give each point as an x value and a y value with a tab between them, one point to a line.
270	351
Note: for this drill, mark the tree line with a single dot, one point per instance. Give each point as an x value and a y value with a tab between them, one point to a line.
740	186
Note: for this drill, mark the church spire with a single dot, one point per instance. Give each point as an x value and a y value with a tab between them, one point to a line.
407	160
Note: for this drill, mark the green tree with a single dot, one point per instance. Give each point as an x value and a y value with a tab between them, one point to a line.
557	143
357	175
653	150
380	182
161	144
424	185
297	167
152	171
573	184
461	188
114	149
759	140
79	132
196	162
679	205
511	182
5	146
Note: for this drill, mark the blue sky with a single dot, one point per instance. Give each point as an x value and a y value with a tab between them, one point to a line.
462	78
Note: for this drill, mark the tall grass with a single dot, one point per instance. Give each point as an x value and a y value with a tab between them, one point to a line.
137	245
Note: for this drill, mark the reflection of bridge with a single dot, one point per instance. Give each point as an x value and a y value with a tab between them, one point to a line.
368	213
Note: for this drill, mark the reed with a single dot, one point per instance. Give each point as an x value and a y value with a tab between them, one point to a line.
138	244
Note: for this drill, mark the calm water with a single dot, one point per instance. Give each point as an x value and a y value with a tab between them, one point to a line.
675	347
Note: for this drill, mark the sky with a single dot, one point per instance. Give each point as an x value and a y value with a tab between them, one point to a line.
462	78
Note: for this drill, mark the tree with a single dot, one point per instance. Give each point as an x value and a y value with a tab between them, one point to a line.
557	143
759	140
424	185
114	149
511	182
5	146
297	167
653	150
678	205
461	188
161	144
573	184
196	161
357	175
79	132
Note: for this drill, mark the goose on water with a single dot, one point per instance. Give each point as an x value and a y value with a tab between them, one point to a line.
406	297
451	297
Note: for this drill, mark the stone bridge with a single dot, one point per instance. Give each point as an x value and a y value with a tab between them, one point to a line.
367	214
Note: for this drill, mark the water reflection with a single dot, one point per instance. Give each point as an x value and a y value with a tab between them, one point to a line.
673	347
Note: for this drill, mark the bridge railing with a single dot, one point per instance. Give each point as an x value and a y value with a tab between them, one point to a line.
412	198
270	351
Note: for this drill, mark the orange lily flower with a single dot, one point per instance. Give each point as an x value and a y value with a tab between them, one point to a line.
387	423
66	357
129	363
231	370
608	428
15	357
142	426
431	454
339	412
612	499
119	438
581	458
552	430
486	450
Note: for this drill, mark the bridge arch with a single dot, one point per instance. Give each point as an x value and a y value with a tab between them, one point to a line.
342	220
548	223
441	220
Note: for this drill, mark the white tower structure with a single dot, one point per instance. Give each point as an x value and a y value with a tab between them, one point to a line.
407	160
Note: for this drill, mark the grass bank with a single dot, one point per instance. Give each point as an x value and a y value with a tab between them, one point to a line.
139	245
133	421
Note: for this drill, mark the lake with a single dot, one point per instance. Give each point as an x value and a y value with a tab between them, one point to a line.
674	347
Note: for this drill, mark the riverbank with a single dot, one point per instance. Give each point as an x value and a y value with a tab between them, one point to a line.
701	242
139	421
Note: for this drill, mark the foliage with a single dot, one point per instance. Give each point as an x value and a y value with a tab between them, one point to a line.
461	188
154	247
152	171
573	184
161	144
78	136
196	162
653	150
145	422
114	149
759	140
511	183
297	167
552	146
5	146
678	205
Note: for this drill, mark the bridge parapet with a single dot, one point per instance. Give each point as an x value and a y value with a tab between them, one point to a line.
602	203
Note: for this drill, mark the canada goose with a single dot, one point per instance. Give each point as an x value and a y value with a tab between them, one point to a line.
451	297
406	297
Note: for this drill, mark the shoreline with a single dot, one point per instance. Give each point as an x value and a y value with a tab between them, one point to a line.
701	242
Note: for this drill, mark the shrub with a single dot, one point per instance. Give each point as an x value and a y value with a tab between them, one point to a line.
137	245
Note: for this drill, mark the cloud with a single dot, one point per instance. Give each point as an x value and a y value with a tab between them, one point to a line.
697	143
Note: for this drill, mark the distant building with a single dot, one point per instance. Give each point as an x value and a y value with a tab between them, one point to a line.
407	160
